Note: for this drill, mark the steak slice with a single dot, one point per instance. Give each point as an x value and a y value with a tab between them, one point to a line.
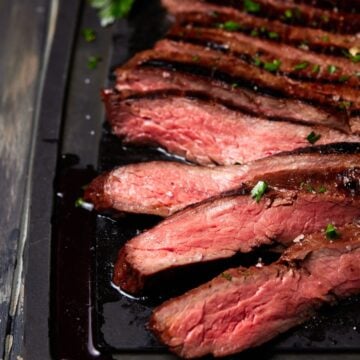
296	63
214	64
301	14
244	308
162	188
153	80
223	226
200	13
207	133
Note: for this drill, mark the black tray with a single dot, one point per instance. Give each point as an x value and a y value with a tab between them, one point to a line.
88	318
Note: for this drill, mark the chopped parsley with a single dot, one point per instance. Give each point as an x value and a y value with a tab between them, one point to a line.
288	14
195	58
301	66
331	69
251	6
312	138
315	69
81	203
343	105
272	66
259	190
331	232
325	38
88	34
111	10
257	61
273	35
93	62
226	276
230	26
322	190
254	32
344	78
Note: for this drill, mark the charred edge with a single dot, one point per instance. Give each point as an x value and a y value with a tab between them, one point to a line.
329	149
213	73
326	47
315	18
304	76
352	7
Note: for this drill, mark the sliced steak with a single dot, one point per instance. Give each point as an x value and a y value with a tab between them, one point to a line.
295	62
214	64
244	308
223	226
299	14
207	133
347	6
148	80
197	12
162	188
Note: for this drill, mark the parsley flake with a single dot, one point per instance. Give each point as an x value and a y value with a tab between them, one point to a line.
273	35
81	203
226	276
111	10
312	138
259	190
331	232
344	78
93	62
288	14
272	66
301	66
331	69
230	26
88	34
315	69
251	6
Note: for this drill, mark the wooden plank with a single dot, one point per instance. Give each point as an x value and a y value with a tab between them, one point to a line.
23	25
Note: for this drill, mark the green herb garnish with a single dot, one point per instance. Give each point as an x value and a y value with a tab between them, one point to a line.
301	66
312	138
195	58
93	62
288	14
226	276
257	61
230	26
88	34
251	6
331	69
331	232
259	190
111	10
315	69
325	18
325	38
81	203
273	35
344	78
254	32
343	105
272	66
322	190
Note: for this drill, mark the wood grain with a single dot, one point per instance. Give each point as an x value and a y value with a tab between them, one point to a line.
21	51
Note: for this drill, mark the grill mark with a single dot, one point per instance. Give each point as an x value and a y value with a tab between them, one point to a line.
346	6
317	40
145	80
231	44
303	15
197	60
